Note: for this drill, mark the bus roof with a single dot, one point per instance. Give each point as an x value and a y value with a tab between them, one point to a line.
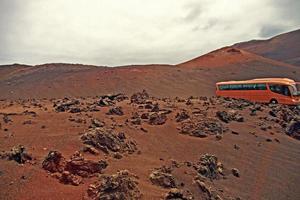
286	81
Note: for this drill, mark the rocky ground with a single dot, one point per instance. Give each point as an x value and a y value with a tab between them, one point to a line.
142	147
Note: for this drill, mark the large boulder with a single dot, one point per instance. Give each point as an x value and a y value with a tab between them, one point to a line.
54	162
181	116
209	167
140	97
67	106
163	177
157	118
18	154
122	185
115	111
73	170
229	116
109	141
293	129
177	194
202	128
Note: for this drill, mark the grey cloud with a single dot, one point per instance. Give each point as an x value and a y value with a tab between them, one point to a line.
8	16
211	23
268	31
288	10
193	13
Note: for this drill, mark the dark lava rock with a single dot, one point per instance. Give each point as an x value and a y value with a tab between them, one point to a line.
96	123
145	116
219	137
135	119
239	104
235	172
116	111
273	113
75	110
140	97
115	97
122	185
236	147
163	177
235	133
107	140
182	116
27	122
155	108
210	194
253	113
117	155
293	129
177	194
188	102
71	171
202	128
90	149
18	154
229	116
109	100
149	106
105	102
54	162
157	119
68	178
209	167
144	130
6	119
84	168
32	113
65	106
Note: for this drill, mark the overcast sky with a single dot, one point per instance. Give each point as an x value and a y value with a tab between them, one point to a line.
121	32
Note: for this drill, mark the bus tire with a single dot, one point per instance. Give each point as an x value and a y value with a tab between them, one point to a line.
273	101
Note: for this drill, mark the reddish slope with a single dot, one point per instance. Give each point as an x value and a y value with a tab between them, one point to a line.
284	47
160	80
228	56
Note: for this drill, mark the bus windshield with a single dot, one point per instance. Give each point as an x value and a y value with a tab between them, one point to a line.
296	89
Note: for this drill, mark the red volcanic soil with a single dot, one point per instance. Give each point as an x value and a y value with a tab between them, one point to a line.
284	47
228	56
196	77
265	160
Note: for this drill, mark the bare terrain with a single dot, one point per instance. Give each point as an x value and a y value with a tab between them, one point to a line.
284	47
196	77
148	148
72	131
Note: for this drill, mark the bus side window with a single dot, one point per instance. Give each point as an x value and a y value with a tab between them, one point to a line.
261	86
223	87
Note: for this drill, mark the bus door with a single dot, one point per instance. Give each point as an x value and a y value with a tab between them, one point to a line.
281	93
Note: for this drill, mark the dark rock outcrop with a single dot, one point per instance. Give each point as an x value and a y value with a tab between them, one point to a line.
163	177
18	154
109	141
122	185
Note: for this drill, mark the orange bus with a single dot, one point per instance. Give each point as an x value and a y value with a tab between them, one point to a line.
265	90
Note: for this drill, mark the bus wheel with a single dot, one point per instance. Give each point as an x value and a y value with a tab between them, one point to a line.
273	101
